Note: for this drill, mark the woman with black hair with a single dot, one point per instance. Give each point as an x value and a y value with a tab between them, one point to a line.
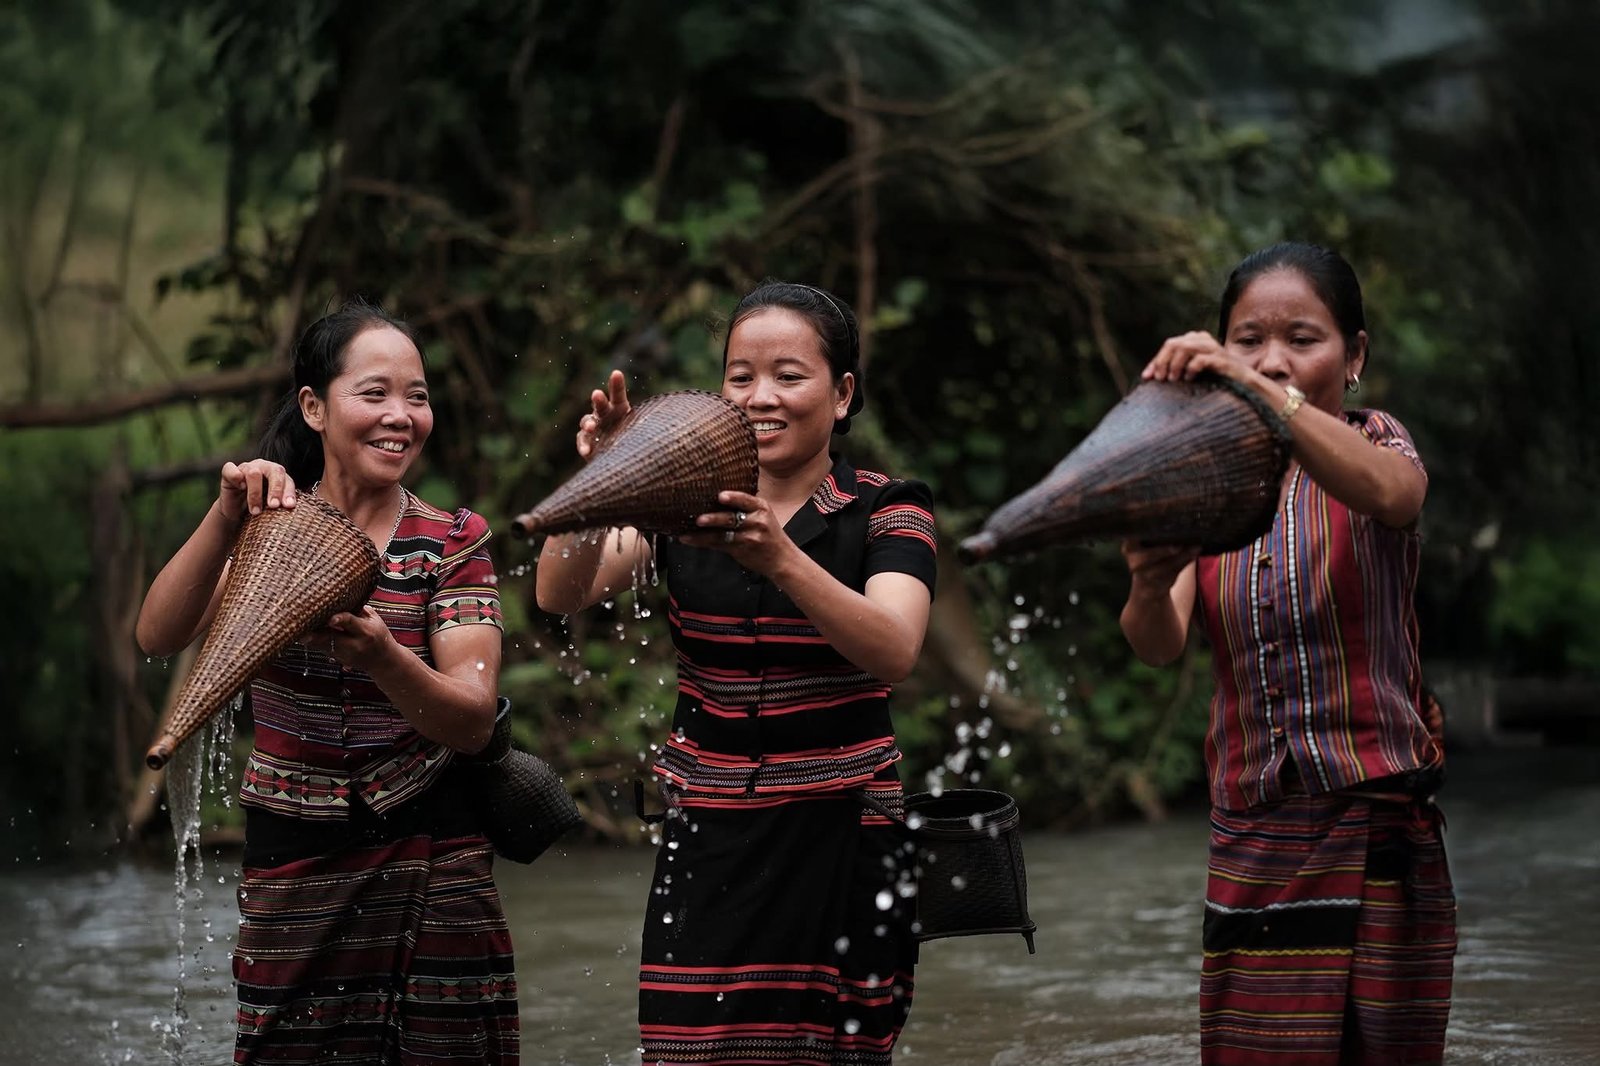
1330	917
778	927
371	931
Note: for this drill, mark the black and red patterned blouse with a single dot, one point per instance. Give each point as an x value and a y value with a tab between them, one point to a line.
325	733
766	706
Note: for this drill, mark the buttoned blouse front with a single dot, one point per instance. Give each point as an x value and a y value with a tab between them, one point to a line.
326	734
766	706
1313	633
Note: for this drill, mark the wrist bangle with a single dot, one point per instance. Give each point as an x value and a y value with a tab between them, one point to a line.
1292	404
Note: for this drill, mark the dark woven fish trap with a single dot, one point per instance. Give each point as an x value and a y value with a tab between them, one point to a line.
292	570
969	852
659	469
1186	463
525	806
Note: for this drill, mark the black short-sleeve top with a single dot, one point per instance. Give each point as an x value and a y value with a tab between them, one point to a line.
766	706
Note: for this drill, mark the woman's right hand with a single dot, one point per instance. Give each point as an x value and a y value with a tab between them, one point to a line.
252	487
1155	569
609	407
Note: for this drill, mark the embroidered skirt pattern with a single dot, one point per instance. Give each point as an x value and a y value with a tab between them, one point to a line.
1330	935
392	955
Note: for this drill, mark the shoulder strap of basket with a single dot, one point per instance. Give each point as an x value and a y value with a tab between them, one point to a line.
877	805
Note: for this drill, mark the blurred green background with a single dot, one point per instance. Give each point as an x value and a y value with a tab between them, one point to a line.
1021	198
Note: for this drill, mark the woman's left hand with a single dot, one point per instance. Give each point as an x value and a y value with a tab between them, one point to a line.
1183	357
749	532
355	640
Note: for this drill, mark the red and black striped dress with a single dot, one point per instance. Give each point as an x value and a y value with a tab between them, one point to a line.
778	924
1330	917
370	930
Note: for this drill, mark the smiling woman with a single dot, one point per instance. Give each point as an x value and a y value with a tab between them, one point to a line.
778	926
371	927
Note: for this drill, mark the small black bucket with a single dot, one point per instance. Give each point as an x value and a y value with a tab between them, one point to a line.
971	878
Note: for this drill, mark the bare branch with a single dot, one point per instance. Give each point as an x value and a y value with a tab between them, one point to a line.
102	409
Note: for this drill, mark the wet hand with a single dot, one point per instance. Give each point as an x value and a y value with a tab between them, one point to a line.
254	486
1155	569
608	408
748	531
356	640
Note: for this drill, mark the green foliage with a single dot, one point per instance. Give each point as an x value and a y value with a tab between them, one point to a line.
57	752
1546	615
1036	194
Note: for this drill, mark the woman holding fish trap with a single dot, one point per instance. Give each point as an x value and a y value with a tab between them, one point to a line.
371	931
778	926
1330	918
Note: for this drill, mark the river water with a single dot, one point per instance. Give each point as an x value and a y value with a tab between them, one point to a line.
89	966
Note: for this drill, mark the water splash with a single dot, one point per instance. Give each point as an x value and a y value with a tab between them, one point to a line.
204	760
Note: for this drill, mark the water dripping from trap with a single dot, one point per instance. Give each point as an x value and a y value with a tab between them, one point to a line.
202	765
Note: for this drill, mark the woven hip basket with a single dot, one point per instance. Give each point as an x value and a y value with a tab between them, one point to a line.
1187	463
525	805
969	852
292	570
660	468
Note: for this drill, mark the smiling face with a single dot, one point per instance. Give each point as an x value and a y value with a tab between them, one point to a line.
376	416
776	371
1281	327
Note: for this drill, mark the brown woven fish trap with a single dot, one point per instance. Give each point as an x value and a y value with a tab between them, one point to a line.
525	806
292	570
662	466
971	877
1194	463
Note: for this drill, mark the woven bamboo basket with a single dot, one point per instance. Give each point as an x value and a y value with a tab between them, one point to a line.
525	806
662	466
971	878
1192	463
292	570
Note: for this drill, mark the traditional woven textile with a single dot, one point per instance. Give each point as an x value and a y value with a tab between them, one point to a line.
762	947
1330	935
1313	629
779	922
326	736
390	955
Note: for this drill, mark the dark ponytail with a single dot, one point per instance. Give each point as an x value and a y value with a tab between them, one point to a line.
319	358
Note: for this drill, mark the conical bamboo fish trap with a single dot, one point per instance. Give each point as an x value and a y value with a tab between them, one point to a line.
292	570
1187	463
662	466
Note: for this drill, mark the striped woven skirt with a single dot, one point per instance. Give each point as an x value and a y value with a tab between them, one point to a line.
389	955
777	931
1330	935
